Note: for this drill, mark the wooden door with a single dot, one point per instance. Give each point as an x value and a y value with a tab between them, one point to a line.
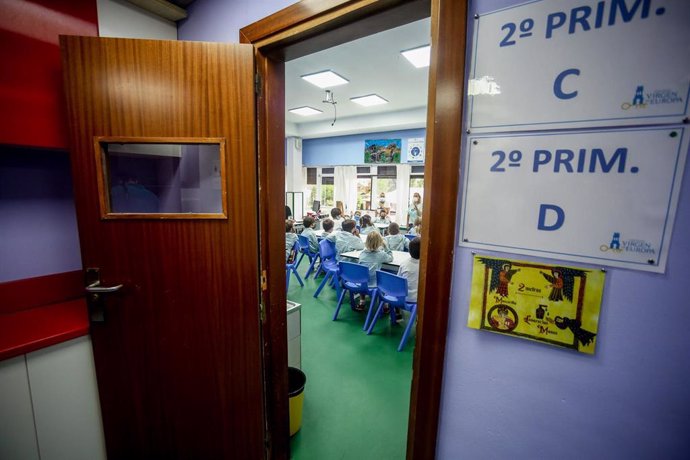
178	357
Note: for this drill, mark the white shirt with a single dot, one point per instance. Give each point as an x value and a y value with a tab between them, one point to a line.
410	270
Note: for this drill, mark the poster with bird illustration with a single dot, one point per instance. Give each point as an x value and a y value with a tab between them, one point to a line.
554	304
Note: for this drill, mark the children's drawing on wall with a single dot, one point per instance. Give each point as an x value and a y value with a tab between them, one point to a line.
382	151
554	304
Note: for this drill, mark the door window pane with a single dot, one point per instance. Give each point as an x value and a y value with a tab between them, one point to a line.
156	178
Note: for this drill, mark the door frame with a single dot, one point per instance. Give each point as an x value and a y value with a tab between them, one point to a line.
310	26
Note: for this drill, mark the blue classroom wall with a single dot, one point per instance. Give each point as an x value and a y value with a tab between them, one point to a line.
349	150
509	398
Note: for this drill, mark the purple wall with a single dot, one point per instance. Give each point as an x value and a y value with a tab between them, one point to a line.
510	398
221	20
38	224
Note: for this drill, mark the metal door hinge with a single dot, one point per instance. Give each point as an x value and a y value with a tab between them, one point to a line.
264	280
262	312
258	84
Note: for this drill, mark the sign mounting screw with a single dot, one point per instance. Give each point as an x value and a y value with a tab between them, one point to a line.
650	261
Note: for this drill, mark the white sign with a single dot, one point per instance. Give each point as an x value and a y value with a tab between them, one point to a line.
415	150
601	197
580	63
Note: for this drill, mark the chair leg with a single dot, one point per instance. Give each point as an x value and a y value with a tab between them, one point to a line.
340	302
294	270
323	283
299	260
338	287
376	316
311	267
413	316
370	313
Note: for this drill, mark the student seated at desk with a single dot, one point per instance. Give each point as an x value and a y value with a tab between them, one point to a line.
346	239
382	218
357	217
410	270
337	220
375	254
327	226
290	238
417	228
309	232
395	240
366	225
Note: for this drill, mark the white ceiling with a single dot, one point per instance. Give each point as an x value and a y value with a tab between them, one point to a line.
372	65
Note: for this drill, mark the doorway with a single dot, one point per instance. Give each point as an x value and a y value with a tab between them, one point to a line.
303	29
358	390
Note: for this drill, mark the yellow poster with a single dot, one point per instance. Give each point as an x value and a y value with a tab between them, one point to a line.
554	304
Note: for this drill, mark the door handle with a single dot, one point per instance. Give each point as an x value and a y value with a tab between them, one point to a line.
96	288
96	293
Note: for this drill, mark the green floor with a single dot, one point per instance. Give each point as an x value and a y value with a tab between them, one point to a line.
357	394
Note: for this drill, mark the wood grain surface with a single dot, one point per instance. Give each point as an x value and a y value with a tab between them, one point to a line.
178	359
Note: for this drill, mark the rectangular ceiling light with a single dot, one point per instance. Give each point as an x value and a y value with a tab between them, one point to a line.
369	100
325	79
305	111
419	57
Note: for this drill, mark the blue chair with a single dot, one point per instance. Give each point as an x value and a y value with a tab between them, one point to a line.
291	267
306	251
392	289
328	265
355	279
410	237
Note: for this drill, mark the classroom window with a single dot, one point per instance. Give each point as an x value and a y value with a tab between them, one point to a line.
364	192
416	181
327	186
388	187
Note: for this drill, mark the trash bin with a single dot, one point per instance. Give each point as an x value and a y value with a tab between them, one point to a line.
296	382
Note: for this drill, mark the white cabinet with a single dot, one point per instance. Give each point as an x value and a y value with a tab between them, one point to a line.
294	334
17	432
49	405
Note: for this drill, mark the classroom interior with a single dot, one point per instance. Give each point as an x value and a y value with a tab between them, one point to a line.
358	382
173	348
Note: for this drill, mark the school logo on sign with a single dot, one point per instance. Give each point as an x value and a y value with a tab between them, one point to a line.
642	99
617	245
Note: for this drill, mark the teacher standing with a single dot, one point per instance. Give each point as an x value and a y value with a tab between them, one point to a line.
415	209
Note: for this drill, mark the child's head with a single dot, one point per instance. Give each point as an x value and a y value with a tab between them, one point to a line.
415	247
416	198
308	222
365	221
393	229
289	226
382	195
374	241
358	214
383	213
327	225
335	213
349	225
